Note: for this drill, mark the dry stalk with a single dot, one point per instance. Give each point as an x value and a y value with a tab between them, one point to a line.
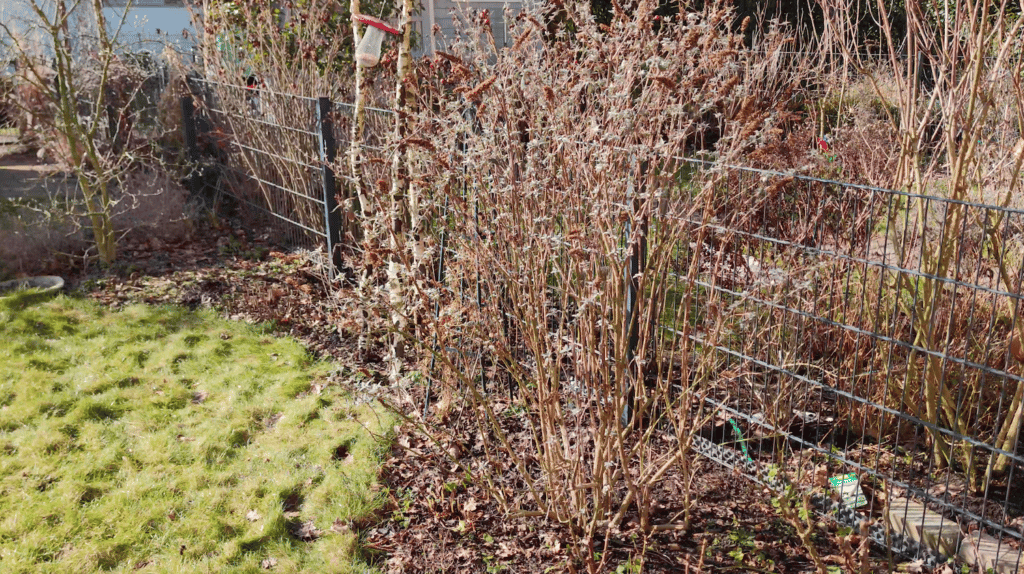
795	509
968	56
567	172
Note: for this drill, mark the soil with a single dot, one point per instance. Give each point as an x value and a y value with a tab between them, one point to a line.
433	519
24	176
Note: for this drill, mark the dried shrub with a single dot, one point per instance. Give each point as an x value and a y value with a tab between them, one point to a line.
546	183
155	208
8	111
32	247
32	109
864	149
956	140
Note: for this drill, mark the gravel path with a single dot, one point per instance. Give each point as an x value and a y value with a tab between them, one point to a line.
22	175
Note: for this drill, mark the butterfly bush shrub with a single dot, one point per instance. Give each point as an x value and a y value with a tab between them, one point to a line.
536	171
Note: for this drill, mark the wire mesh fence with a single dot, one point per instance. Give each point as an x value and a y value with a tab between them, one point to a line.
263	149
852	333
870	331
846	333
281	157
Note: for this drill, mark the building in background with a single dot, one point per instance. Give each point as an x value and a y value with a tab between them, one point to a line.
448	17
150	25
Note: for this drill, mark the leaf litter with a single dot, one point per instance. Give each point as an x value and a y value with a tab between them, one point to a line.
434	518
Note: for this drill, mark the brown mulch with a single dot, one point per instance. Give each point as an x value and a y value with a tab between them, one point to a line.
245	278
434	519
438	521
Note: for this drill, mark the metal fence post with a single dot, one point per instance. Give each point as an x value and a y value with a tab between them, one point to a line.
328	153
188	122
635	263
919	75
437	304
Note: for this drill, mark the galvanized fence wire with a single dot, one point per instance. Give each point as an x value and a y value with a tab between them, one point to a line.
282	156
854	350
838	320
833	306
846	349
267	148
842	376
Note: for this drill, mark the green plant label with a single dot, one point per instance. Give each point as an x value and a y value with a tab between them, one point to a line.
848	488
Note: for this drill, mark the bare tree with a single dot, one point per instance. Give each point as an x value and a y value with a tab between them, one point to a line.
68	57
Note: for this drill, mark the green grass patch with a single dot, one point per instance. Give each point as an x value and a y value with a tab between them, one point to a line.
166	440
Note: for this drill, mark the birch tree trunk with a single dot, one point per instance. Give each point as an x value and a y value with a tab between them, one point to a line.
364	210
399	216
